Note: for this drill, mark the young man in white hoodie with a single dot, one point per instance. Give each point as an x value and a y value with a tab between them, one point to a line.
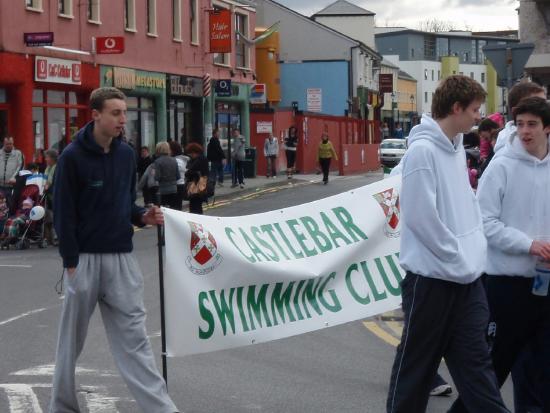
517	237
518	92
443	250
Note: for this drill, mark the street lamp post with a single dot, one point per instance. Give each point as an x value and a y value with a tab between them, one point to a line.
412	110
393	107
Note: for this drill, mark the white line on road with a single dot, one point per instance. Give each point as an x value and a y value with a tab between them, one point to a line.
21	398
16	265
48	369
9	320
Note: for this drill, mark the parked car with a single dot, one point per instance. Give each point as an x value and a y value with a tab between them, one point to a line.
391	151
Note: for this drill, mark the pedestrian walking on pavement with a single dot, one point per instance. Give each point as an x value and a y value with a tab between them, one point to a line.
238	156
11	162
177	152
443	250
94	213
166	173
519	246
216	155
143	163
325	154
271	151
197	167
291	146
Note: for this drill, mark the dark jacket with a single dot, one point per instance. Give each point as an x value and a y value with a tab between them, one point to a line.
94	198
214	151
142	165
196	168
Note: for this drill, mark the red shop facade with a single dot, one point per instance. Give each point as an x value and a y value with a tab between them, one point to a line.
43	100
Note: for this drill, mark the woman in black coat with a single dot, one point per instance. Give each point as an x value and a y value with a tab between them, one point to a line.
196	167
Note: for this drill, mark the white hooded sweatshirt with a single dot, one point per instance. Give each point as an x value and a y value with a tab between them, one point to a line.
504	135
442	231
514	196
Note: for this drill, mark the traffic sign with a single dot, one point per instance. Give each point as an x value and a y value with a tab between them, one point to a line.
110	45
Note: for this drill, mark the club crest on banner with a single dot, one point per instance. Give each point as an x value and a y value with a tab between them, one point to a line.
203	248
389	201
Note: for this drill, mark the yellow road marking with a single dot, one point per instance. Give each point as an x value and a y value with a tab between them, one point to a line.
380	333
396	327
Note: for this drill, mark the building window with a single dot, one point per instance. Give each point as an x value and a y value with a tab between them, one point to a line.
194	27
56	117
425	74
412	52
442	47
425	97
93	11
241	47
429	47
483	78
35	5
65	8
176	19
474	52
466	57
152	17
433	74
439	75
480	54
472	75
130	15
141	122
221	58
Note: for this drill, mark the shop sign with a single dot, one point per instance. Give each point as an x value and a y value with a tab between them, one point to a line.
185	86
258	94
49	69
220	31
264	127
385	82
129	79
314	100
223	88
38	39
110	45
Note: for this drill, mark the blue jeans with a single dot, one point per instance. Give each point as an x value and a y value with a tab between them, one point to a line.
216	170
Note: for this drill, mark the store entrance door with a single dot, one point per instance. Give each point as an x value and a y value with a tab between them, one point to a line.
4	122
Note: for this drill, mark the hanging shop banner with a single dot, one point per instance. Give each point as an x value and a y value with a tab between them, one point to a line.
220	31
236	281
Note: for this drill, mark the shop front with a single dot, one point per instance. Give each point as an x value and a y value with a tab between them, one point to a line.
231	111
146	101
43	100
185	109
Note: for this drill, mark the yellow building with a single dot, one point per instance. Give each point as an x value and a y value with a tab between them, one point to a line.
267	67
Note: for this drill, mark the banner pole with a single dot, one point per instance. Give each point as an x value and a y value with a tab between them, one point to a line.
160	244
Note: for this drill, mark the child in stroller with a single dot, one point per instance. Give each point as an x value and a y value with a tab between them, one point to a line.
4	211
20	229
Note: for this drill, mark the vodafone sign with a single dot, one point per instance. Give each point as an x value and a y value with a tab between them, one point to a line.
109	45
49	69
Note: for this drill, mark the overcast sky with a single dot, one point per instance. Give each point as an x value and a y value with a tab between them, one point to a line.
478	15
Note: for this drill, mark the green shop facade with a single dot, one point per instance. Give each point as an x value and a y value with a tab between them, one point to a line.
146	92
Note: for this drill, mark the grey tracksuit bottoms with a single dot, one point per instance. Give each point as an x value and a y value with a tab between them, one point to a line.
116	283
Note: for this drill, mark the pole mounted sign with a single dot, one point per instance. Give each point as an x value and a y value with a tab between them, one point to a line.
385	82
110	45
220	31
38	39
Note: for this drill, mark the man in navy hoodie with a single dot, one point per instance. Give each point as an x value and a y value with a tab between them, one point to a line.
443	250
95	210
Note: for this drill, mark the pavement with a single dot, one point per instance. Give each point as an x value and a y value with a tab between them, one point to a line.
261	182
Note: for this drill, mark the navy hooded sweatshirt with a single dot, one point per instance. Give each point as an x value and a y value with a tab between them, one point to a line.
94	198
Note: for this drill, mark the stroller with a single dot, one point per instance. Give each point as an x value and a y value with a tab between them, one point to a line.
25	227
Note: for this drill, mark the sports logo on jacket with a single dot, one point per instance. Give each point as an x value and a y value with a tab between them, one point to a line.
389	202
204	256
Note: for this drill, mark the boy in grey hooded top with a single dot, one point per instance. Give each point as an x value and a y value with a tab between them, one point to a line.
443	250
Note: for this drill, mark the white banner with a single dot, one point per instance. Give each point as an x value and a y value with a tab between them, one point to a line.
236	281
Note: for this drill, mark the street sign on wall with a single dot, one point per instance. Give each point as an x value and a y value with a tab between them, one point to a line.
110	45
38	39
385	82
220	31
48	69
314	100
258	94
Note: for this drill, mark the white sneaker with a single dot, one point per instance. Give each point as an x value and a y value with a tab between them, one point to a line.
441	390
